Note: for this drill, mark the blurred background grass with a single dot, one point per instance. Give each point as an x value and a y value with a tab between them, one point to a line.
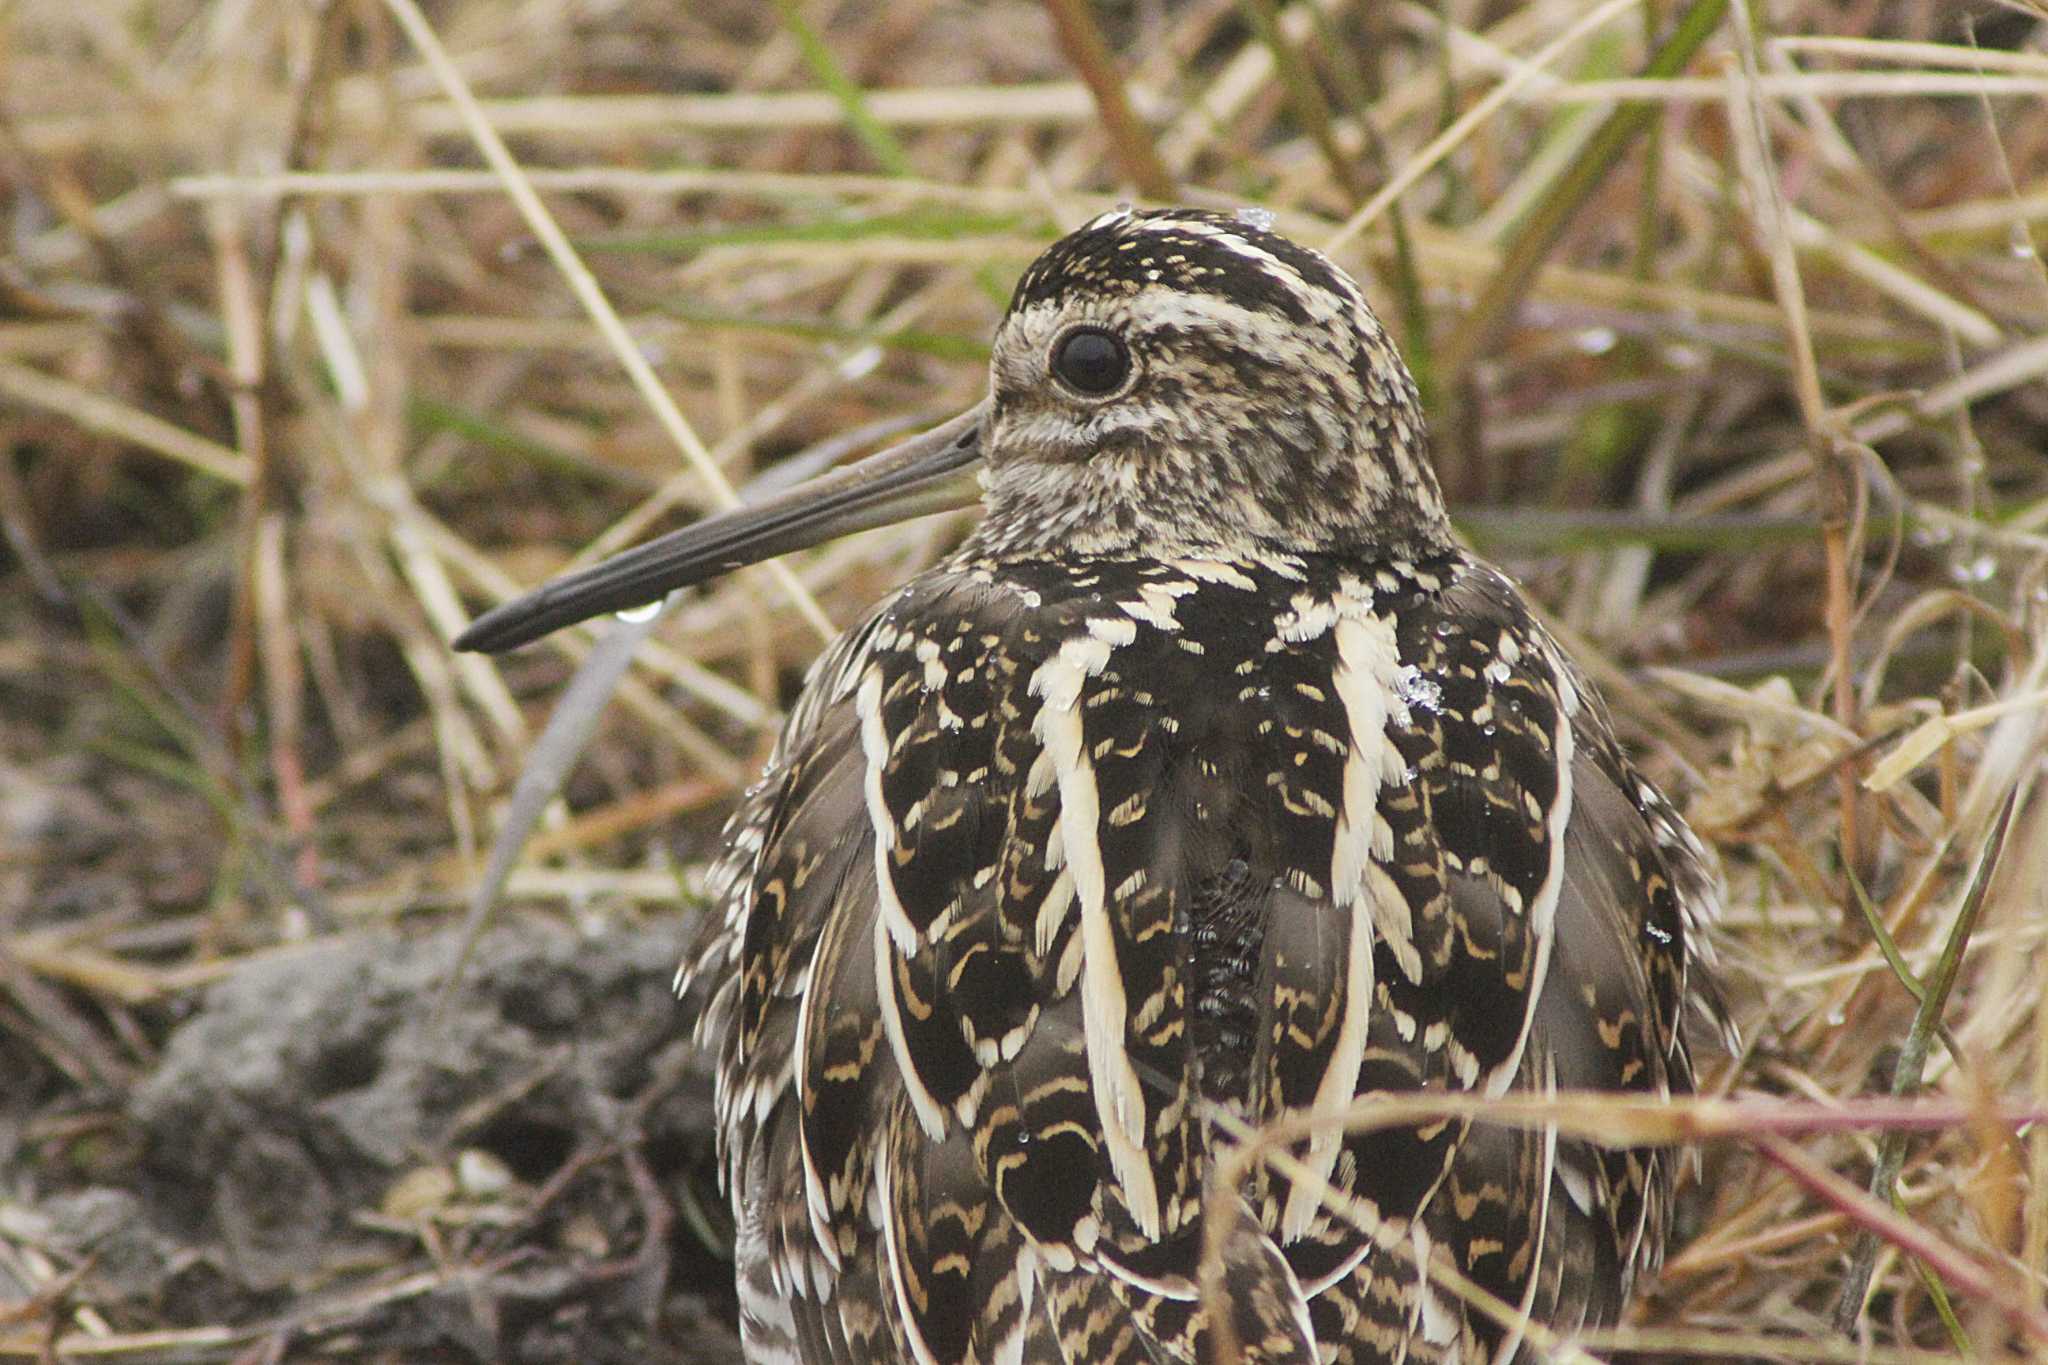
1730	322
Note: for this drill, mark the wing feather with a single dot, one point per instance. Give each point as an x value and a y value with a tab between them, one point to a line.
1055	865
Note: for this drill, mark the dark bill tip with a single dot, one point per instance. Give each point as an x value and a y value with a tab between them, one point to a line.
933	472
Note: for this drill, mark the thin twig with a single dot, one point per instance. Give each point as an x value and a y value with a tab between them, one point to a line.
1827	441
1074	24
110	417
584	285
1927	1023
1468	123
1545	223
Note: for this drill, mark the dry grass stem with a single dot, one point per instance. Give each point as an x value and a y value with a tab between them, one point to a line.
323	328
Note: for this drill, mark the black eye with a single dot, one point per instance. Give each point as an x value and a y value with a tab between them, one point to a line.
1091	361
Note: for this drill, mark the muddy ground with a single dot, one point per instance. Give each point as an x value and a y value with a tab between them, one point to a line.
308	1158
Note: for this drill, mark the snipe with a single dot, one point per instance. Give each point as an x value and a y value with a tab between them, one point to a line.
1208	781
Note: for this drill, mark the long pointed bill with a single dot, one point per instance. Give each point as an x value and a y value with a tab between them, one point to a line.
929	473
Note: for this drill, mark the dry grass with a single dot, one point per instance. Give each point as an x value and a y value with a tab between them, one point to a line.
1733	348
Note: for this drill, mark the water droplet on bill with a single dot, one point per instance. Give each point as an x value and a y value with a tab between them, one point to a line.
634	616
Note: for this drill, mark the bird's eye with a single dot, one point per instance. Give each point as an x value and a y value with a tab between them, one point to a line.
1091	361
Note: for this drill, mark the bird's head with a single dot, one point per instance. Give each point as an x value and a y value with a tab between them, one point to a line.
1165	382
1178	378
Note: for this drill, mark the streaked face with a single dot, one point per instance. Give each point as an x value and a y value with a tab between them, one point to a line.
1191	376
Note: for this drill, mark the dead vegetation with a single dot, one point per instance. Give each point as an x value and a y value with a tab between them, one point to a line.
1731	323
